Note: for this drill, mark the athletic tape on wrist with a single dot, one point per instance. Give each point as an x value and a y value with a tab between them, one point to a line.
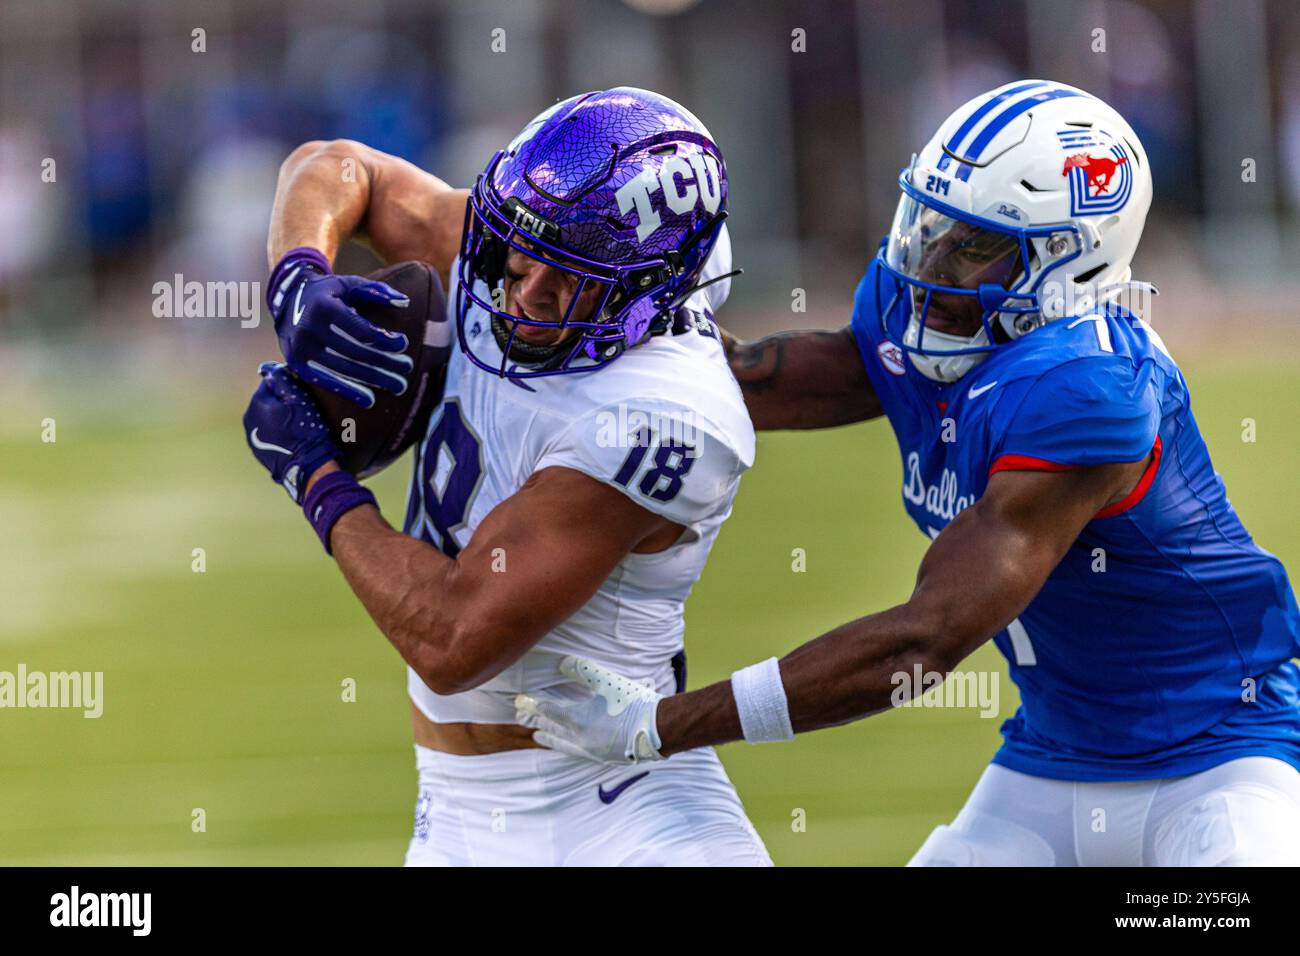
330	499
761	702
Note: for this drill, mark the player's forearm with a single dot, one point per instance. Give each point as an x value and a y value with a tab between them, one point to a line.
800	380
320	199
844	675
403	584
853	671
447	618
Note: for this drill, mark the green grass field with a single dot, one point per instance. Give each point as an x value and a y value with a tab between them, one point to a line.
223	688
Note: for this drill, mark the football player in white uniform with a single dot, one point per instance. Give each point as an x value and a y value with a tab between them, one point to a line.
564	500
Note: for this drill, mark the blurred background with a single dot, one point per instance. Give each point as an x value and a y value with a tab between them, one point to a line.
140	141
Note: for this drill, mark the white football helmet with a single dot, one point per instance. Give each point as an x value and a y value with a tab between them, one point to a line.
1028	203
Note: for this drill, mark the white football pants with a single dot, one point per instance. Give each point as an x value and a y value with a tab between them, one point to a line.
1245	812
542	808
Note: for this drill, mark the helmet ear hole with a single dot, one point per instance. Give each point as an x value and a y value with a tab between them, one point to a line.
1090	274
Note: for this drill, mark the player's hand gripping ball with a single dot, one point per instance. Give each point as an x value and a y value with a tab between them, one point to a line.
325	339
370	439
285	430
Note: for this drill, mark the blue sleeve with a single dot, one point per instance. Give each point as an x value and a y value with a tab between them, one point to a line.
873	347
864	311
1091	411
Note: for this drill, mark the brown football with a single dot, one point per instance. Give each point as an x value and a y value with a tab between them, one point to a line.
371	439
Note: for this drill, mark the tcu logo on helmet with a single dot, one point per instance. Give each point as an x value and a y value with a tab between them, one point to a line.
529	221
537	226
684	184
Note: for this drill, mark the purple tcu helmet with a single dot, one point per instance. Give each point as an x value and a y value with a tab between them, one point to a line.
622	188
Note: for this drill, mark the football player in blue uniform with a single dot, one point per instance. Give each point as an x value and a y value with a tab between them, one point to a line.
1049	449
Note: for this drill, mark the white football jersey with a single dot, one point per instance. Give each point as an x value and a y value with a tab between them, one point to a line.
491	433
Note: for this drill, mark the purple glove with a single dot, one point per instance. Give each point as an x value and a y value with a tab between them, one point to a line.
324	339
285	430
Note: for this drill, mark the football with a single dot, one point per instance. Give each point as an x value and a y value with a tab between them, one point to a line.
373	438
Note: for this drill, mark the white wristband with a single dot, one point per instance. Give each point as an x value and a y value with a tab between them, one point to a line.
760	700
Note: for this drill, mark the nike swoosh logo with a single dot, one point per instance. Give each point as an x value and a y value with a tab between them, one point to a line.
265	445
609	796
297	305
977	392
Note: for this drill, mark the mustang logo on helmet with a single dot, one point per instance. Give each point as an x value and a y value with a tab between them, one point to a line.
1098	169
1091	181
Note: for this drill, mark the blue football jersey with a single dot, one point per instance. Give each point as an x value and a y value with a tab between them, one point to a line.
1162	644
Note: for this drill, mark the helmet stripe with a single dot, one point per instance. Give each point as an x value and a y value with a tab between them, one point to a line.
955	141
1003	119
